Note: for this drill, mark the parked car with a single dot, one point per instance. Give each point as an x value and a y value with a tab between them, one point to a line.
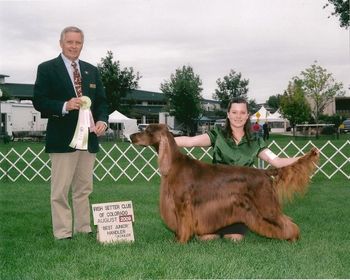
175	132
142	126
220	122
345	126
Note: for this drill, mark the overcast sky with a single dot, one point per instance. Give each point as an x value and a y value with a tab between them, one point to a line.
268	41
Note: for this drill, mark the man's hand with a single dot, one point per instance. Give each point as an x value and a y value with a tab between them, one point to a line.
73	104
100	128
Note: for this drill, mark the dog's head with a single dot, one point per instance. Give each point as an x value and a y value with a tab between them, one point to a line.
151	136
313	155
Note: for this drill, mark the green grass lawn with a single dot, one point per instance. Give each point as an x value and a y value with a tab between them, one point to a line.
28	250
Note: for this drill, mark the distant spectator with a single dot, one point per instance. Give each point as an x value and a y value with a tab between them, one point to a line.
266	130
256	129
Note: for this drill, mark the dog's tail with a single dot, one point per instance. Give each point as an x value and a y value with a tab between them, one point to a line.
294	178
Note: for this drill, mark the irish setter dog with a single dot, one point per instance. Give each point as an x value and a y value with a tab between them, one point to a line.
198	198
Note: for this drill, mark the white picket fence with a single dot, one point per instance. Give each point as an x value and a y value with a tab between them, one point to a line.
132	162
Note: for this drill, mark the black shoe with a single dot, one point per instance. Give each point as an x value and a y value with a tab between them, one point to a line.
65	238
89	234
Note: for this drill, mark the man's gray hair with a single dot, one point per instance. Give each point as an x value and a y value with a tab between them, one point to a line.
71	29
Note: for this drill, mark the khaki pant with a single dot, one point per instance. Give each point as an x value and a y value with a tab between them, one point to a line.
71	171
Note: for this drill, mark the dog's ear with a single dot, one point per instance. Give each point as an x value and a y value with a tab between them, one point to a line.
313	155
164	155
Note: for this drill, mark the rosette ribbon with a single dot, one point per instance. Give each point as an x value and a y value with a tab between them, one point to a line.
85	125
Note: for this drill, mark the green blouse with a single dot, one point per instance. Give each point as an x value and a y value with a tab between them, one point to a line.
226	151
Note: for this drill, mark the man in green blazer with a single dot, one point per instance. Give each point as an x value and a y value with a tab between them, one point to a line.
57	92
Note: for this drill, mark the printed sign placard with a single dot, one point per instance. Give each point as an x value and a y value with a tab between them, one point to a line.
113	212
116	233
114	221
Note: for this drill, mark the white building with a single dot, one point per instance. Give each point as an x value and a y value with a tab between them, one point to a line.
20	118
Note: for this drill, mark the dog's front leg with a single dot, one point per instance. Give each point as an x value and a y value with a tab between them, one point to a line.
184	218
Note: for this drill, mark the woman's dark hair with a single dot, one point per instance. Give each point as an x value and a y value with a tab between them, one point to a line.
247	125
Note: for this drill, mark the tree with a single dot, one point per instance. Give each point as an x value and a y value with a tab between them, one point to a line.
4	95
274	101
294	105
183	92
336	120
341	10
229	87
117	82
253	107
320	88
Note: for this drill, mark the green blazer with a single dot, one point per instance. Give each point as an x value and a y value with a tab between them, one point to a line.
52	88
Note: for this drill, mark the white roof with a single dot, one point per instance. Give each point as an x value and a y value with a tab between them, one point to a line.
276	115
130	125
117	117
266	115
263	113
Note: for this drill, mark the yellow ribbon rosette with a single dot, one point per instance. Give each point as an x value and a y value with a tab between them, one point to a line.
85	124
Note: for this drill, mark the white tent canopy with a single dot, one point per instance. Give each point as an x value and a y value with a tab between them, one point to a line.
263	115
275	120
276	117
129	126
